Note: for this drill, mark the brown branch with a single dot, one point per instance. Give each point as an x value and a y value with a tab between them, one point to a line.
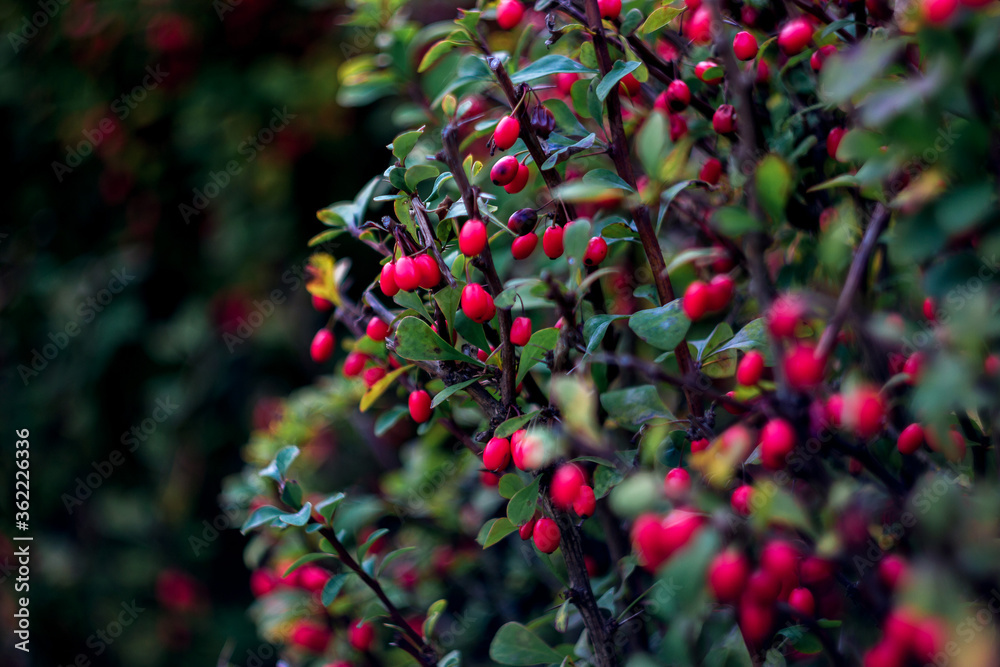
420	215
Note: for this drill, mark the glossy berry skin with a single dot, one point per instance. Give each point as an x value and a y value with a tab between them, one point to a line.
373	375
698	27
745	46
777	440
720	292
937	12
803	369
361	636
520	331
565	486
597	250
585	502
472	238
321	304
504	170
741	500
552	242
678	95
750	369
833	140
610	9
711	171
820	55
802	601
377	329
387	280
727	576
527	529
509	14
520	180
420	406
546	535
795	36
407	274
477	304
523	246
696	299
677	484
321	348
699	445
505	135
724	119
496	454
355	364
522	221
700	71
430	273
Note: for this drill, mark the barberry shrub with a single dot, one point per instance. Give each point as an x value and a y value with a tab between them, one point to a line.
749	420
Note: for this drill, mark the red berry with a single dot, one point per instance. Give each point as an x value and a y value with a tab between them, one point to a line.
913	365
795	36
834	409
864	412
321	304
720	291
523	246
678	126
496	454
420	406
552	242
312	578
527	529
785	315
377	329
610	9
361	636
820	55
938	11
505	135
430	273
509	13
727	576
630	86
699	26
892	571
677	484
929	639
745	46
763	71
565	81
678	95
696	300
929	308
711	171
742	499
699	445
520	331
763	587
321	348
311	636
354	364
750	369
704	66
724	119
263	582
519	181
597	250
505	170
756	621
477	304
816	572
833	140
565	486
472	238
991	365
522	221
489	479
886	653
803	369
525	451
373	375
777	440
678	528
585	502
387	280
407	274
781	560
801	600
546	535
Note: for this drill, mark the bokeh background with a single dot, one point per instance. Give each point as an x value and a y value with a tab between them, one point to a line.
164	164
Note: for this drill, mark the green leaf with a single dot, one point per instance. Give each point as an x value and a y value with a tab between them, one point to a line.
495	530
433	614
471	331
753	336
391	556
299	518
509	485
435	53
419	173
404	143
595	328
448	391
323	237
605	479
418	342
774	184
375	534
635	406
606	179
595	104
576	238
389	418
668	197
565	118
412	301
660	18
453	659
651	141
308	558
734	221
515	644
663	327
332	588
507	428
329	505
279	466
521	507
631	22
547	66
779	507
381	386
618	72
847	73
540	343
262	515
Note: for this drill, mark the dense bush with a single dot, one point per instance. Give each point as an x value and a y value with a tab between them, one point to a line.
739	408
